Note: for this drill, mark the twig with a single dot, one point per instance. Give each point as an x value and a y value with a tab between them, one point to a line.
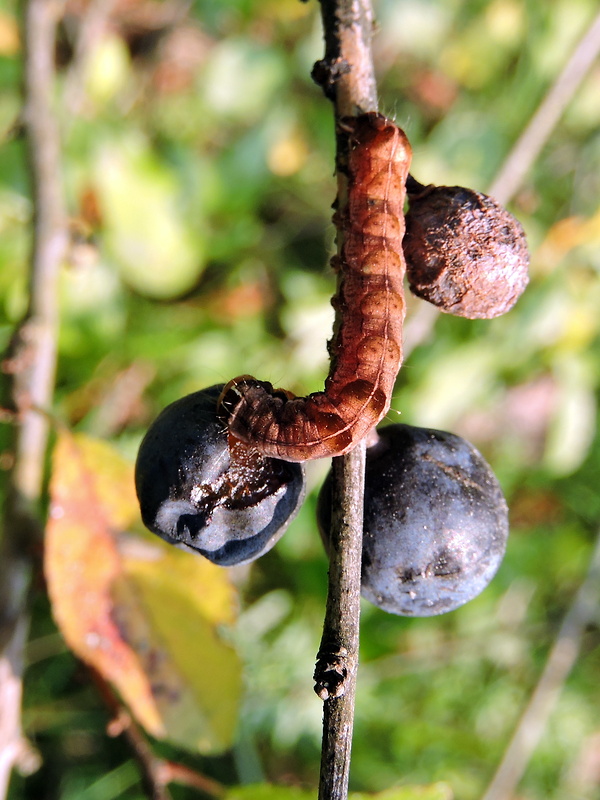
562	657
28	373
156	772
524	153
179	773
153	778
346	72
533	138
347	77
337	664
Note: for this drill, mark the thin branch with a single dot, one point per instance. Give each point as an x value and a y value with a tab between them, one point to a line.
28	373
153	778
156	773
560	662
33	361
337	664
524	153
185	776
347	77
528	146
346	72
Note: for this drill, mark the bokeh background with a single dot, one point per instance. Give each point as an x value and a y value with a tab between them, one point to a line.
198	169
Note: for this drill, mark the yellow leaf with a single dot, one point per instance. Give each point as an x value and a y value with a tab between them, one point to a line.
169	604
81	563
107	69
9	35
142	613
110	477
563	237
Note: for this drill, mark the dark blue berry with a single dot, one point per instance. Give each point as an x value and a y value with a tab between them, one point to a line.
435	524
205	491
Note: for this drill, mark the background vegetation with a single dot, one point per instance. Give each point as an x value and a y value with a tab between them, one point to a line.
198	160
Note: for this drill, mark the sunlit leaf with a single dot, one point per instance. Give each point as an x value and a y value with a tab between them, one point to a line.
9	34
108	69
241	78
142	613
145	230
436	791
574	425
168	603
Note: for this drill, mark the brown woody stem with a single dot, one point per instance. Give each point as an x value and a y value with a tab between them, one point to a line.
347	77
28	373
155	772
335	672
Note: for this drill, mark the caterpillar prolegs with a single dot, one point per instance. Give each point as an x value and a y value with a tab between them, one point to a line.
366	348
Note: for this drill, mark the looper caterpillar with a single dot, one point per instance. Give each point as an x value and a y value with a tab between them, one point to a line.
366	348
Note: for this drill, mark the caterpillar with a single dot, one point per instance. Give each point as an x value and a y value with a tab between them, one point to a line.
366	347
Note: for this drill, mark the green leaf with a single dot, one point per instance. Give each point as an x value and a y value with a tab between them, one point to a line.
168	606
145	231
269	792
435	791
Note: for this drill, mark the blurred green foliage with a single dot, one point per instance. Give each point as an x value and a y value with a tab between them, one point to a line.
198	161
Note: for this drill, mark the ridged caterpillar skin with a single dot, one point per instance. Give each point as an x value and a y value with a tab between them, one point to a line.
366	348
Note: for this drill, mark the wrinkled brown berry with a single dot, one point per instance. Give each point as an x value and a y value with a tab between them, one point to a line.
464	252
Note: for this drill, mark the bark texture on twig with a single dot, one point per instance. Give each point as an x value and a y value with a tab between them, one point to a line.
335	673
28	374
346	72
347	77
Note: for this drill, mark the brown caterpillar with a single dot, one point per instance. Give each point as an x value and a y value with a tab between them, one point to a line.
366	348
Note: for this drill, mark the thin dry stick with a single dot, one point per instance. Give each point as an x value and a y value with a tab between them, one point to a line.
155	772
529	144
337	664
347	77
508	180
562	657
523	155
28	375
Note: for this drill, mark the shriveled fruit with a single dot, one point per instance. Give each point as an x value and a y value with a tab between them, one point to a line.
200	488
435	524
464	252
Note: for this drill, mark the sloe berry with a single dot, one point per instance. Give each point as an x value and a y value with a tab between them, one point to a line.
435	521
202	489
